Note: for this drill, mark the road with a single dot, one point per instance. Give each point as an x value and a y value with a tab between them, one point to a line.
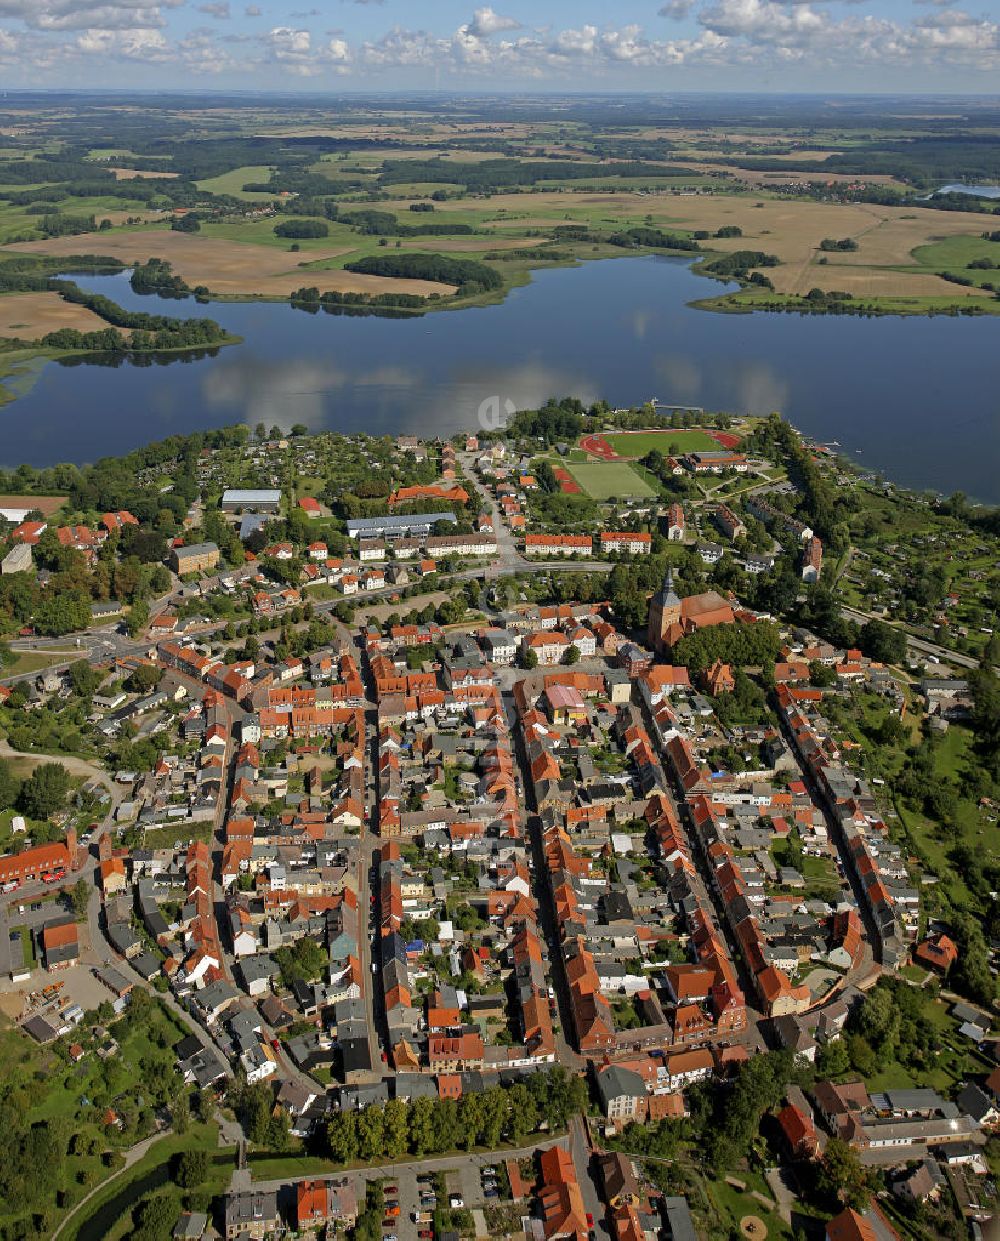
32	891
918	644
579	1146
462	1176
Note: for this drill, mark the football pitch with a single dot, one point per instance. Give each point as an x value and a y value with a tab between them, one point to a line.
610	480
639	443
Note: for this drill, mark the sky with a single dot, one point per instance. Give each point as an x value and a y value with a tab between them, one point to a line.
829	46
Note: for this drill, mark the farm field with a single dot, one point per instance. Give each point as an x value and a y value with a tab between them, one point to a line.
637	445
31	315
898	253
230	267
138	174
610	480
882	265
954	254
232	182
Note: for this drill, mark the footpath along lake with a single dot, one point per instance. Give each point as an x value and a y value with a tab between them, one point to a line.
916	398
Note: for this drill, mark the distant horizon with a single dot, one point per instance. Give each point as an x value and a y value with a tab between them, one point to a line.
276	92
840	47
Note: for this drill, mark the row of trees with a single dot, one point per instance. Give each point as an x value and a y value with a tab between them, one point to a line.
469	275
425	1127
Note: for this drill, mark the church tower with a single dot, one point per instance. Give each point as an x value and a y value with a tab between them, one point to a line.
664	611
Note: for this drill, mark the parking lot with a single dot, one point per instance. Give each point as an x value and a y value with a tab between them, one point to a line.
410	1188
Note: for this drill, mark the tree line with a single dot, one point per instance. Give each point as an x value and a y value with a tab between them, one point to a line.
469	275
485	1118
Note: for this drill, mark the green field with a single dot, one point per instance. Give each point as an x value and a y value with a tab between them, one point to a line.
610	480
232	182
954	254
639	443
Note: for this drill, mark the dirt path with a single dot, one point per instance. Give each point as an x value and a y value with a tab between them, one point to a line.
75	766
132	1157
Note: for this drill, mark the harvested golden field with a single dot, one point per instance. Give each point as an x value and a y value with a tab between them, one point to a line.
873	282
886	237
466	245
793	230
756	176
234	268
30	316
531	221
139	174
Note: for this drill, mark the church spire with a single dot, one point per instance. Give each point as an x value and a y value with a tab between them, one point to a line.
670	597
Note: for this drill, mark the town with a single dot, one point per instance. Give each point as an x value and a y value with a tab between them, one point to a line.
582	830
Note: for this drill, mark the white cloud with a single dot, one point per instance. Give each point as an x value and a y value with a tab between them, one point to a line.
294	49
486	22
55	15
821	36
676	10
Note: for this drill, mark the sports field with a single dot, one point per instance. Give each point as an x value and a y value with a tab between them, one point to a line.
639	443
612	480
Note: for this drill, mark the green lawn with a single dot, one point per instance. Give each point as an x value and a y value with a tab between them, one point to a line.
108	1211
35	661
164	837
232	182
610	480
733	1204
27	947
953	254
953	751
639	443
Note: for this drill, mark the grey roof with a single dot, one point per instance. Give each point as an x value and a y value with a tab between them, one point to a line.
397	522
252	1207
356	1097
250	522
679	1222
196	549
976	1102
191	1226
414	1086
251	495
614	1081
148	964
40	1030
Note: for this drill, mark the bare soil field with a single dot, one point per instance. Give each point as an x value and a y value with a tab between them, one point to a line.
139	174
29	316
46	505
232	267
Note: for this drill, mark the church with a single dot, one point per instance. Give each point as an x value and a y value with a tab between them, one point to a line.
672	618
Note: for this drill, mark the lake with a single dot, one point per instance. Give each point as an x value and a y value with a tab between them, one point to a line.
916	398
980	191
